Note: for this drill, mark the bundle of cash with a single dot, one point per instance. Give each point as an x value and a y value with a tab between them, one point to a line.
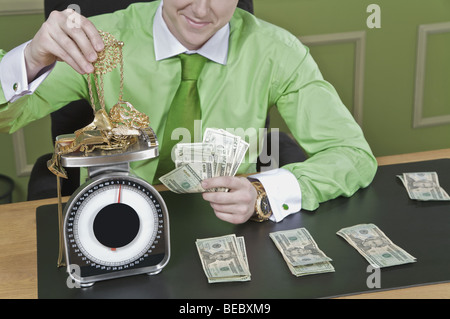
301	253
375	246
423	186
224	259
220	154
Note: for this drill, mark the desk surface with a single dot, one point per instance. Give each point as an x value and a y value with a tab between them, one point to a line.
18	249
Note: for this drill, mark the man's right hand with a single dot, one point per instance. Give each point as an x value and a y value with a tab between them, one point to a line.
65	36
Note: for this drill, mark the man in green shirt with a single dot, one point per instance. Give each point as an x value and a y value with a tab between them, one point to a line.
252	65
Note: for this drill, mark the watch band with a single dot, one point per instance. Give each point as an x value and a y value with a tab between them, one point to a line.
263	211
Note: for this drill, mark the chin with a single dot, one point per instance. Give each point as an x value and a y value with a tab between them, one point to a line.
196	42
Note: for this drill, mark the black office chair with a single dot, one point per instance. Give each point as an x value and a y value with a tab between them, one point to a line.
95	7
77	114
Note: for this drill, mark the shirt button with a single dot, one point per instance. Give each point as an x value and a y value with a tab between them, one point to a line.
15	87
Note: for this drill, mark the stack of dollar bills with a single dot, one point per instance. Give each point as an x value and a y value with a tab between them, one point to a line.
301	253
424	186
224	258
375	246
219	154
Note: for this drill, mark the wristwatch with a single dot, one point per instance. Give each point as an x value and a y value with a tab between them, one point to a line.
262	207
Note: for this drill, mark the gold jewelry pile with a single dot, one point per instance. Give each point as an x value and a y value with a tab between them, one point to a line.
114	131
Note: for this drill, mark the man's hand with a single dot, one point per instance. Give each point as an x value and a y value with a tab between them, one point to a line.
235	206
65	36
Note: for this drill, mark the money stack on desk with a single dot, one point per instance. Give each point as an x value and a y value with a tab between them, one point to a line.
220	154
375	246
224	259
301	253
424	186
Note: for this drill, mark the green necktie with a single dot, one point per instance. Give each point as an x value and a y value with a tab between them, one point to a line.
185	108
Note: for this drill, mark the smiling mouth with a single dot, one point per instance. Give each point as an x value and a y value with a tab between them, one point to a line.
195	24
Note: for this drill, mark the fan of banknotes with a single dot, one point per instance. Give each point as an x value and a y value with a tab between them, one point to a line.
219	154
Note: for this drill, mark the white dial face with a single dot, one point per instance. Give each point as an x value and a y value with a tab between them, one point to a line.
116	222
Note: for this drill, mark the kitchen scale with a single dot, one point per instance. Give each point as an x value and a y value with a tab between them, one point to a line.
115	224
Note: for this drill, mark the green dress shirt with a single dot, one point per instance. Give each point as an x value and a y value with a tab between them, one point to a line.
266	66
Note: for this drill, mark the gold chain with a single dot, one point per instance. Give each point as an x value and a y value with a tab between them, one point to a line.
107	60
123	113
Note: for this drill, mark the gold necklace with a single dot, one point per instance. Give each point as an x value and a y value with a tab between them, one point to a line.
123	113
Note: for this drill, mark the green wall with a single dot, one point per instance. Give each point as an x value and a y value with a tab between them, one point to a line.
386	89
390	64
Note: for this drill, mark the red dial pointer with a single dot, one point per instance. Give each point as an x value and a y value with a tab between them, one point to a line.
120	191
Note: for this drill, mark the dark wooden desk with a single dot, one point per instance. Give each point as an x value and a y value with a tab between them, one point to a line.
18	271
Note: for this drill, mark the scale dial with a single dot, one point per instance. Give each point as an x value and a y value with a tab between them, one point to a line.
115	225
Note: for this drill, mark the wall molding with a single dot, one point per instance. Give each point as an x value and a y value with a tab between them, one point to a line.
20	154
13	7
359	38
425	30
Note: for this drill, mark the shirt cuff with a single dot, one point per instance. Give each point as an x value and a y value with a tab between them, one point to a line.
13	74
283	192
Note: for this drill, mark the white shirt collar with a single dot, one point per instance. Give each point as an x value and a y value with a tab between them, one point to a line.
166	45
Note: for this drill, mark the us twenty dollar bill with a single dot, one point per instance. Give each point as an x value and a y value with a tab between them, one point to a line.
224	258
186	178
301	253
220	154
375	246
424	186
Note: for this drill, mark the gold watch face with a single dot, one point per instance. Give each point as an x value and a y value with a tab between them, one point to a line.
264	207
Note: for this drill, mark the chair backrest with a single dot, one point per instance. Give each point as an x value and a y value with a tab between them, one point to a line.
95	7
